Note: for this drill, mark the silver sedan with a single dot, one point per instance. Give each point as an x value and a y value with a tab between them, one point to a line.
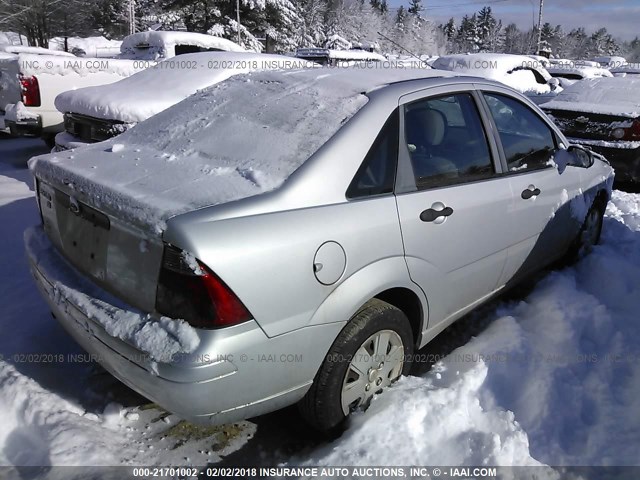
294	237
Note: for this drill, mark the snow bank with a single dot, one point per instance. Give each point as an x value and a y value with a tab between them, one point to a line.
608	96
237	139
161	338
158	44
39	428
147	93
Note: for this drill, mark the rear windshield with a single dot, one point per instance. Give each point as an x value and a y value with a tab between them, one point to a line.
268	122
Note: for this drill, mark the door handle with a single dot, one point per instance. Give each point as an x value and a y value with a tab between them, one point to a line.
430	215
529	192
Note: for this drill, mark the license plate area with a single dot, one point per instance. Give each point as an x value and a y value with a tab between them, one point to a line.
84	234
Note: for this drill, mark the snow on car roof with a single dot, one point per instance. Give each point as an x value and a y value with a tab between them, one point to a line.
608	96
240	138
161	39
140	96
34	50
584	71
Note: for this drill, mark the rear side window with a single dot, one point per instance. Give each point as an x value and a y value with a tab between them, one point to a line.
527	141
377	173
446	141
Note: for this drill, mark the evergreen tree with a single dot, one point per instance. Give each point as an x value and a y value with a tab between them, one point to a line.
415	8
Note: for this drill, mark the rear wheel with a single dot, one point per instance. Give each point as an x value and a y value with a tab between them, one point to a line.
372	351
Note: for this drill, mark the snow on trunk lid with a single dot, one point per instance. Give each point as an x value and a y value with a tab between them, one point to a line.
237	139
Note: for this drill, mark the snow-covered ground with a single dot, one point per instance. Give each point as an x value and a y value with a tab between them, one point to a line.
549	376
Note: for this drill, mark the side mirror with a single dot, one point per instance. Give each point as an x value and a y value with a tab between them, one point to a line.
553	83
575	155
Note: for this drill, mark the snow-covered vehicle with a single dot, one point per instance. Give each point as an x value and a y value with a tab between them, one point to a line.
603	114
218	257
568	73
158	45
29	84
520	72
625	70
17	49
94	114
326	56
610	61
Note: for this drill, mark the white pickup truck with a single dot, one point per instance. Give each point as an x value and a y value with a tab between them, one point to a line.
31	78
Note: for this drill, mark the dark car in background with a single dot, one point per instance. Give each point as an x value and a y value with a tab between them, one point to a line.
603	114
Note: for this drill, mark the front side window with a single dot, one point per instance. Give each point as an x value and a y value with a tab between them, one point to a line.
527	141
446	141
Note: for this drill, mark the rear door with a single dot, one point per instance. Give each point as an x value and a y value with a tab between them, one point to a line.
542	217
451	199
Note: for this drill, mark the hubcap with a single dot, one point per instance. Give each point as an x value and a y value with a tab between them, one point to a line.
376	364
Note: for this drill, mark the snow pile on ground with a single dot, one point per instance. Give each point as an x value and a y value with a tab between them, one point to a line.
146	93
36	425
91	46
555	378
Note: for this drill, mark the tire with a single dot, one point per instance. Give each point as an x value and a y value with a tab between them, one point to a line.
326	405
50	140
589	234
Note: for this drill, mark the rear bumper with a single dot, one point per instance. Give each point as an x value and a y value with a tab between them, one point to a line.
32	126
625	161
235	373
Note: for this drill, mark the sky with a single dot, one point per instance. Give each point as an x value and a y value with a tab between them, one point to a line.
620	17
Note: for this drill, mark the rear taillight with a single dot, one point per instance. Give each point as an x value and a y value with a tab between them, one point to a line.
188	290
633	132
30	91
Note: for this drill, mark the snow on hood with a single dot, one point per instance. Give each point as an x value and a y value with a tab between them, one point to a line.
162	44
512	70
150	91
608	96
237	139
